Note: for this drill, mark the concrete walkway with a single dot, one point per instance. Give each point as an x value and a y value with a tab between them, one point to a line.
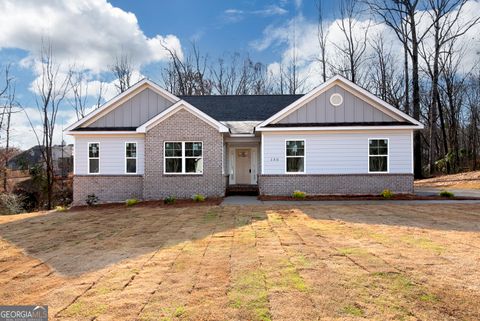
428	191
252	200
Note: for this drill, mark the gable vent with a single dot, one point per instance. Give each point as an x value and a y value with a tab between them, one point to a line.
336	99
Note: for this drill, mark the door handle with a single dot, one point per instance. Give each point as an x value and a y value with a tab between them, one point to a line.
250	170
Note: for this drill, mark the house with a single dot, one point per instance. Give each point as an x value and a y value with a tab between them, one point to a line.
62	159
149	144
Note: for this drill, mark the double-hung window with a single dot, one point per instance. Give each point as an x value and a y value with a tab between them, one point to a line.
131	158
295	156
93	158
378	155
183	157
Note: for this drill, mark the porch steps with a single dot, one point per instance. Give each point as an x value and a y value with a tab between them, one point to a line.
242	189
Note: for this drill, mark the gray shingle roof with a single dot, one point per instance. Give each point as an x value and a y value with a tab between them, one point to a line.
241	107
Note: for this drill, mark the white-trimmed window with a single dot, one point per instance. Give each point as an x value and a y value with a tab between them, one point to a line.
93	158
295	156
183	158
131	158
378	155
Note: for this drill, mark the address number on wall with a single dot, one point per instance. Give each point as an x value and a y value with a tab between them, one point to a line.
274	159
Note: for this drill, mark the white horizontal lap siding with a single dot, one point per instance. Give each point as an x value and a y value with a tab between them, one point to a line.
337	152
112	154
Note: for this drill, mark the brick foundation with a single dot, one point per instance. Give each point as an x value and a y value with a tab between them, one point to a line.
108	188
335	184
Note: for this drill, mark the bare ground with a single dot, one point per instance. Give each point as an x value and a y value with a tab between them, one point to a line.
375	262
468	180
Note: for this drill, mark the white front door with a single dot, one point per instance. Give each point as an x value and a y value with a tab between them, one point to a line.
243	166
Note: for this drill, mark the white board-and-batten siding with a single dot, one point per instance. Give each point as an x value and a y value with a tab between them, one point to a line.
337	152
112	154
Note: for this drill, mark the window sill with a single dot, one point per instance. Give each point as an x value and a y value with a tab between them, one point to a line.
182	174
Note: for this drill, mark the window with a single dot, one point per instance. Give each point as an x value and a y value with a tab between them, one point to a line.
93	158
378	155
131	158
183	157
295	156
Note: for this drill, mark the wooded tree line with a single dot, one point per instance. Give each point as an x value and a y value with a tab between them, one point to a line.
427	80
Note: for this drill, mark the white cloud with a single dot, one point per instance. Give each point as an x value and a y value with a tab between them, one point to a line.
271	10
236	15
89	32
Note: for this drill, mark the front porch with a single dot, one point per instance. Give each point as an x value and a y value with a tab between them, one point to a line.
242	165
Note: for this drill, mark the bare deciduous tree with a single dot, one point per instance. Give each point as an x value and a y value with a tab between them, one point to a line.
79	88
51	87
122	69
322	36
385	80
352	48
187	75
10	107
80	93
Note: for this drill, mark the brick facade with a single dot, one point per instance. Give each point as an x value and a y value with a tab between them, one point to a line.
335	184
108	188
183	126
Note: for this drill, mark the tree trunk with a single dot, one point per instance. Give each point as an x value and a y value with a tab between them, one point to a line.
7	151
417	141
407	78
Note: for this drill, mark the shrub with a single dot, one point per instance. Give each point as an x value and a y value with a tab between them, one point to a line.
386	194
198	198
11	203
299	195
60	208
446	194
91	200
169	200
131	201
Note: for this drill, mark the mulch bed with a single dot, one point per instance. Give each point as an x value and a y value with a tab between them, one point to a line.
396	197
158	203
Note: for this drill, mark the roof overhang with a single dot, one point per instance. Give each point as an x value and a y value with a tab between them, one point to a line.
101	132
334	128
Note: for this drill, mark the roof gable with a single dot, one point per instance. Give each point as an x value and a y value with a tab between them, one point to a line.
352	110
181	105
358	106
131	108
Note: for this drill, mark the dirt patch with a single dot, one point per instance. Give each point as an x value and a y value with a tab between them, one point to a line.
468	180
374	262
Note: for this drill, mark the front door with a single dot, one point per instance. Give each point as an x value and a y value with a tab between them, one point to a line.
242	166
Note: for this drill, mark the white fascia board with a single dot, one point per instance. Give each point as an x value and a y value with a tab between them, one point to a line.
335	128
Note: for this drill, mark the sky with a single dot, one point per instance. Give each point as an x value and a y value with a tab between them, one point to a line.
90	33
